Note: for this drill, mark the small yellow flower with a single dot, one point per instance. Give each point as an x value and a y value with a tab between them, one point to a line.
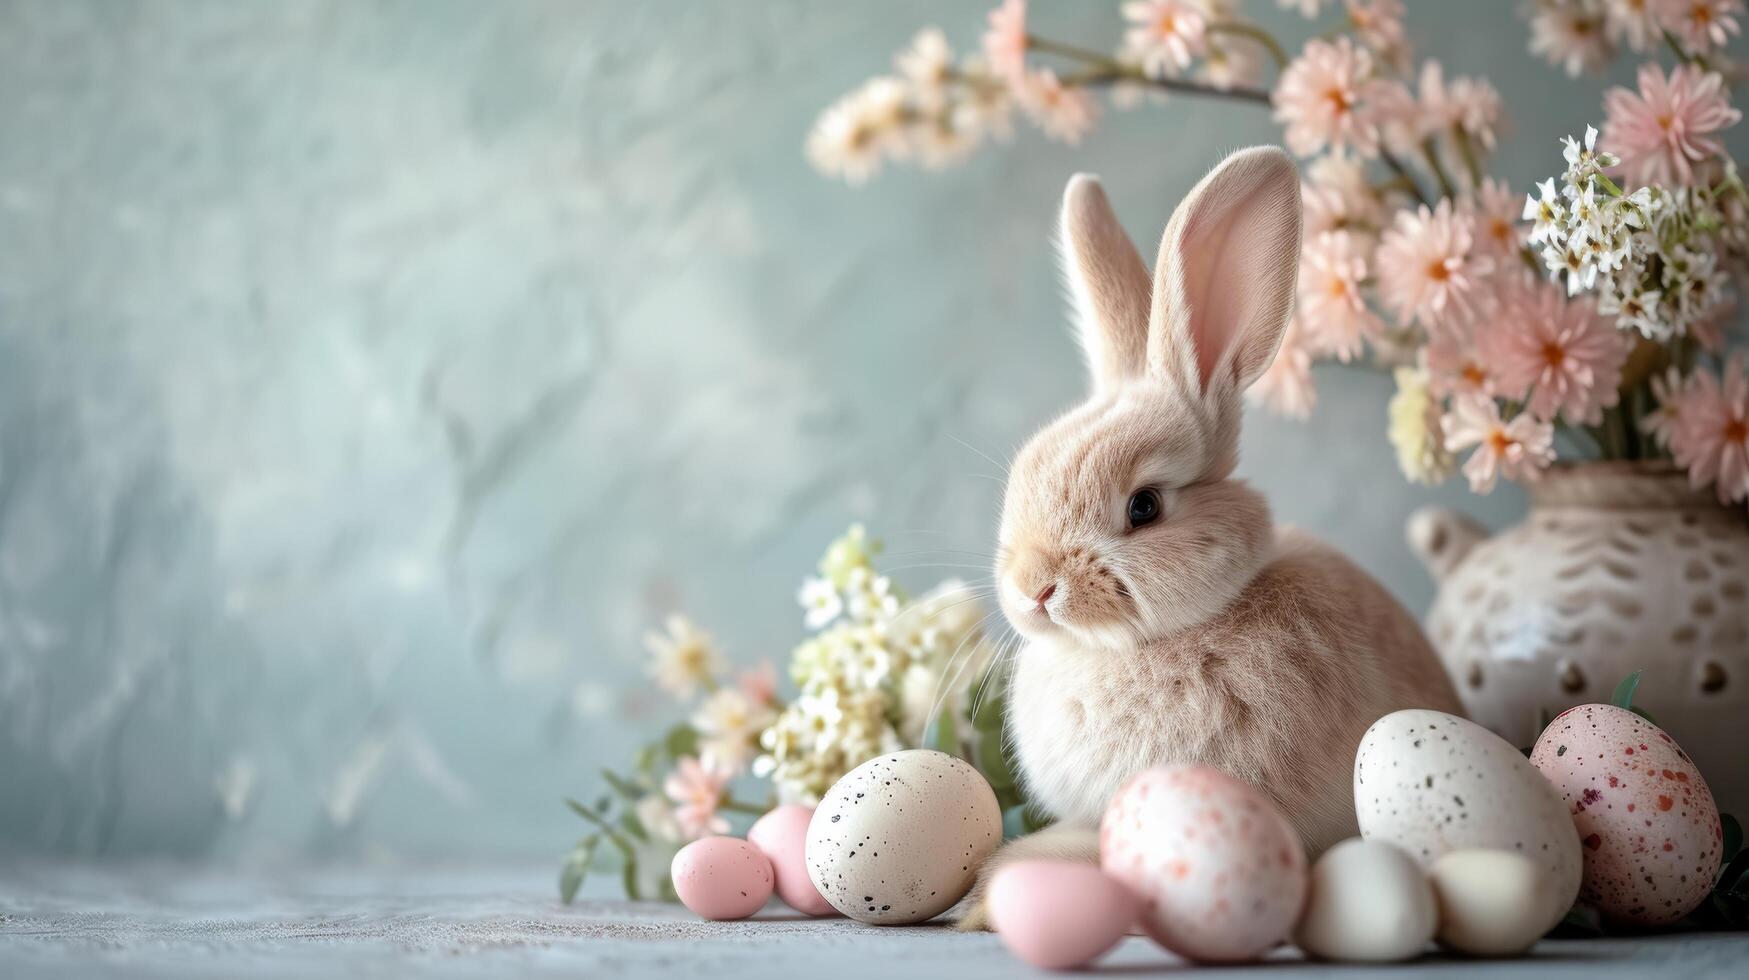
1414	429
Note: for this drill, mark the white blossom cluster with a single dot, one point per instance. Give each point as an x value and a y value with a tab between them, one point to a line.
873	675
1651	254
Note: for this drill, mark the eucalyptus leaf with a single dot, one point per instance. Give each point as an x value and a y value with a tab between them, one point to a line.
1014	822
1624	692
1643	713
634	828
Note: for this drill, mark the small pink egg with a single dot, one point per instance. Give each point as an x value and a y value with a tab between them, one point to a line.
782	835
722	877
1220	872
1058	915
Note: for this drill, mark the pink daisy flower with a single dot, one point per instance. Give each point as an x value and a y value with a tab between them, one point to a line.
697	790
1428	269
1701	24
1559	351
1379	23
1569	35
1454	367
1661	131
1476	109
1338	197
1494	211
1332	309
1324	98
1286	387
1005	41
759	684
1671	391
1166	35
1518	450
1063	113
1711	435
1633	23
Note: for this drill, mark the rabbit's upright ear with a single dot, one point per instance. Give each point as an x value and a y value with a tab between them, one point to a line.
1107	283
1224	285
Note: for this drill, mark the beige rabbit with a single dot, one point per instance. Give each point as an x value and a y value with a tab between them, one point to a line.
1166	620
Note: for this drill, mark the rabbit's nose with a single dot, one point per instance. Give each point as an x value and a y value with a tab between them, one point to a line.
1044	594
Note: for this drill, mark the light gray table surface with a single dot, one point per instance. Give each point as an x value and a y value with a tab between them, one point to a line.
59	920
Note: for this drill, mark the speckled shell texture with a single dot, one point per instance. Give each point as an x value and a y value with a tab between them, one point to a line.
1647	823
1432	783
1618	567
1220	872
900	838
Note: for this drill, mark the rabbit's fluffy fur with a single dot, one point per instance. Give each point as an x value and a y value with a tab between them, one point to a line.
1203	636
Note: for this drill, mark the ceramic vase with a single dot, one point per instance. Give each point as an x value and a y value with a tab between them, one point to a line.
1617	567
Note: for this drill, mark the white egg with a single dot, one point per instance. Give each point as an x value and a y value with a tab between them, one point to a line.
900	838
1433	783
1368	902
1489	901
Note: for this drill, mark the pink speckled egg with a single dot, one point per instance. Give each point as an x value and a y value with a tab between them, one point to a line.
782	835
1059	915
722	877
1648	826
1220	872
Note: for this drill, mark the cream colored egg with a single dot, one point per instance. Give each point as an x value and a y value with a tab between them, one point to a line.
1647	824
1490	902
900	838
1433	783
1368	902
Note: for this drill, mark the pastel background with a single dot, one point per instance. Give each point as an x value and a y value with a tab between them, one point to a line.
372	375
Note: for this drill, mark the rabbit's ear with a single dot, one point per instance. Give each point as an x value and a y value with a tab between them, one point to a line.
1107	283
1224	285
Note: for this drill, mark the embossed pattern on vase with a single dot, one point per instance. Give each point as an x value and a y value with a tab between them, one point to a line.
1557	610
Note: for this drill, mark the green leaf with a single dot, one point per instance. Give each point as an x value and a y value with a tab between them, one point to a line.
990	701
943	736
1733	837
575	867
629	878
1643	713
1583	919
1624	692
993	761
633	827
1014	822
628	791
681	740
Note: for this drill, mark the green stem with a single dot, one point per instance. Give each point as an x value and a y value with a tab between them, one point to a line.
612	833
733	805
1681	53
1467	150
1403	174
1257	34
1430	151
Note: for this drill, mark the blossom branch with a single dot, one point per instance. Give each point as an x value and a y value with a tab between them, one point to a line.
1108	71
1255	33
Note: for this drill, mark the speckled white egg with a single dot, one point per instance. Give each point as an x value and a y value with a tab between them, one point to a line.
1648	827
900	838
1432	783
1220	872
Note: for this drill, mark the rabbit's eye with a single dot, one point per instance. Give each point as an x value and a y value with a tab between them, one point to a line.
1144	507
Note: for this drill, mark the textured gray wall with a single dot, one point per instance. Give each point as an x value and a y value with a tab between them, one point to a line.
372	374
